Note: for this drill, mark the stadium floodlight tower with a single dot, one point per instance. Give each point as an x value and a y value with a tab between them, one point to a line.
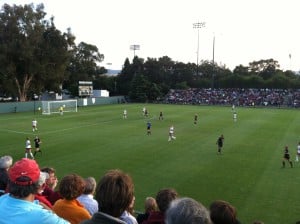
134	47
198	26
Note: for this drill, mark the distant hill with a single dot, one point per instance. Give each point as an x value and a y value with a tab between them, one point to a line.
112	72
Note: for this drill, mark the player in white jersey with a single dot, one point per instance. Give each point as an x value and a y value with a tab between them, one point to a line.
171	133
144	110
298	152
28	149
234	116
34	125
125	114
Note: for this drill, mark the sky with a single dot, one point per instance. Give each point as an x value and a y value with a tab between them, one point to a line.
244	30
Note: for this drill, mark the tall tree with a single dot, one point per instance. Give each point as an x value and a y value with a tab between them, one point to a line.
264	68
54	58
241	70
127	74
32	51
139	88
84	66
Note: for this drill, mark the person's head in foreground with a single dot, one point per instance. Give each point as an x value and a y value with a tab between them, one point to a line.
164	198
114	192
187	211
6	162
222	212
150	204
71	186
23	178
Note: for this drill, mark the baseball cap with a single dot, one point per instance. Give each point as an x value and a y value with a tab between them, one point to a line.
24	168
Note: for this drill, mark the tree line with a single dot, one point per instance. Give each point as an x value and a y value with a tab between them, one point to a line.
152	79
36	57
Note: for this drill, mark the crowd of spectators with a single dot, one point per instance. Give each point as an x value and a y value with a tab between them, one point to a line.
239	97
24	200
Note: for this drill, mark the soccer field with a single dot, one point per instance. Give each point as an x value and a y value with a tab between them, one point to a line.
248	174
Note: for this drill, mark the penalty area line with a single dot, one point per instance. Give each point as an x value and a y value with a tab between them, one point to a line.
17	132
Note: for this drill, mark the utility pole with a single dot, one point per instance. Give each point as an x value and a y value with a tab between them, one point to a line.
213	64
134	47
198	26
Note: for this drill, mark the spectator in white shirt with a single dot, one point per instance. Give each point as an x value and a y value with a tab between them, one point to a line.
87	198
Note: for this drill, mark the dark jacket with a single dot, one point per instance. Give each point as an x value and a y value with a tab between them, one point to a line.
155	218
102	218
142	217
3	181
51	195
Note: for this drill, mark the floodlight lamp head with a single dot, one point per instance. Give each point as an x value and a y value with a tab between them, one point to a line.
134	47
199	25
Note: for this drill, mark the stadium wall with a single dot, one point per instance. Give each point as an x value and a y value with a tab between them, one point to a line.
15	107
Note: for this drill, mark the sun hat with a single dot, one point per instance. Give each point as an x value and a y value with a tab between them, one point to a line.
24	168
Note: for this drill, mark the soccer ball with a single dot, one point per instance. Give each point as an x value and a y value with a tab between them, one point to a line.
64	105
39	108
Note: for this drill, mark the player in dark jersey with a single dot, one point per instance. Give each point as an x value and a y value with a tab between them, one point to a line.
286	157
37	142
148	128
220	142
195	118
161	117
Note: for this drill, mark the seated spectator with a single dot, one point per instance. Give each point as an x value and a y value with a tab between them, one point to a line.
19	206
163	199
49	191
41	185
69	208
5	164
150	206
114	193
87	198
127	215
222	212
187	211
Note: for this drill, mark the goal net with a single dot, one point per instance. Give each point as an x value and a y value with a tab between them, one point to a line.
51	107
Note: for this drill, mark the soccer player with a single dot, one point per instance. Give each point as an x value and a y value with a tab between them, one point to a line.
125	114
61	110
234	116
195	118
148	128
286	157
28	149
298	152
233	107
37	142
34	125
161	117
171	133
220	143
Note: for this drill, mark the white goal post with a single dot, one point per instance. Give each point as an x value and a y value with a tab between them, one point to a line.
51	107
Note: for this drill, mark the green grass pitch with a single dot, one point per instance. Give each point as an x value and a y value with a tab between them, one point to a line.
248	174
